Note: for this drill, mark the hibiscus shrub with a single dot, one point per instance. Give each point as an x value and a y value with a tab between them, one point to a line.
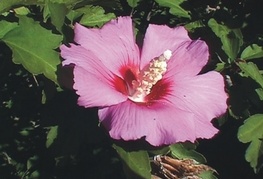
131	89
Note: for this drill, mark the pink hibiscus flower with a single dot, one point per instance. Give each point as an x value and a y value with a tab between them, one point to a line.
155	92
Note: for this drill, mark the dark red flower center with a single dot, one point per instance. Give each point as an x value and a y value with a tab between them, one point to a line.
147	85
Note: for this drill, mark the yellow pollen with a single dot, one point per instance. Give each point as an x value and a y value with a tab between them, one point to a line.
150	76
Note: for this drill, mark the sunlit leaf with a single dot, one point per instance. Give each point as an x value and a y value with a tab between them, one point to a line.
5	27
252	51
136	163
51	135
133	3
94	16
218	29
250	69
231	39
5	5
175	7
220	66
186	150
252	131
34	51
22	10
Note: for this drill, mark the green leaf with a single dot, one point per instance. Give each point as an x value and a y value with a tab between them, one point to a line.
51	135
253	153
259	91
72	15
22	10
252	51
57	13
186	150
65	1
24	132
31	167
160	151
207	175
250	69
136	163
218	29
82	8
231	39
133	3
31	162
252	131
175	7
33	47
8	104
5	5
110	5
94	16
5	27
194	25
220	66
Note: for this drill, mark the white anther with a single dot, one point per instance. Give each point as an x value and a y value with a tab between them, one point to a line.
140	90
158	77
145	83
167	54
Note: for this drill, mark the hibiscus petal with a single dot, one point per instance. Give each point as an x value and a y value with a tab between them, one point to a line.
188	59
159	38
160	123
172	125
203	95
127	121
94	91
114	44
81	57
